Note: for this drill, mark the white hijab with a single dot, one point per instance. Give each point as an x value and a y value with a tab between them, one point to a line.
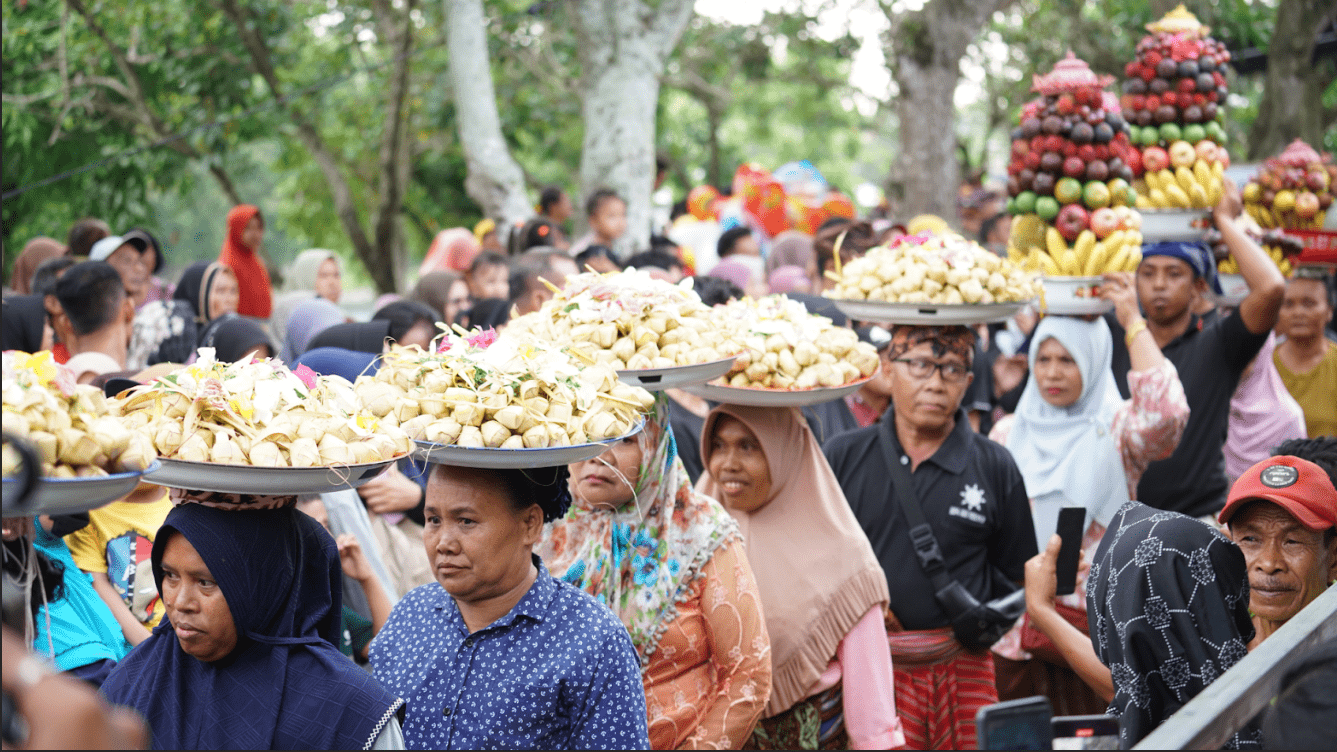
1067	455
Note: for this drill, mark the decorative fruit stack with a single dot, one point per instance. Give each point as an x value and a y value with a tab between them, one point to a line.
1280	247
1174	98
1070	178
1292	191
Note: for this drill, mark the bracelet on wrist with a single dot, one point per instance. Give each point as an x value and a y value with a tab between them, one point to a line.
1134	329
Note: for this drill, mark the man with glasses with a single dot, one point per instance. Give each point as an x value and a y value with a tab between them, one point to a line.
974	501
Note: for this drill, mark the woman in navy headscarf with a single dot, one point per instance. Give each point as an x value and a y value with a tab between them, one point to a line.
245	656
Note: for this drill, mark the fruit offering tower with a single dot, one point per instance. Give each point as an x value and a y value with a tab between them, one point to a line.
1292	191
1069	181
1174	97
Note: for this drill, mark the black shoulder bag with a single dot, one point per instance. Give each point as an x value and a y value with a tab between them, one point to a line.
977	625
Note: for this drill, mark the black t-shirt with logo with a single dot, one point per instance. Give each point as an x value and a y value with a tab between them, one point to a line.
1209	356
973	497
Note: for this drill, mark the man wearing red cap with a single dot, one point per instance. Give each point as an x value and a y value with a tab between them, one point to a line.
1283	515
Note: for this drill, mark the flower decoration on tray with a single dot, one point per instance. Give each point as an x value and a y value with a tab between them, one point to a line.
481	390
259	413
929	268
629	320
71	425
787	348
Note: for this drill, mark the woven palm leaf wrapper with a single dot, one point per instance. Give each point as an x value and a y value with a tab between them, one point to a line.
630	321
69	424
259	413
785	347
502	392
941	269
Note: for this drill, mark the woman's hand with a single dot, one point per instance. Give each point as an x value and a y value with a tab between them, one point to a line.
1042	578
1120	289
352	559
1231	204
390	492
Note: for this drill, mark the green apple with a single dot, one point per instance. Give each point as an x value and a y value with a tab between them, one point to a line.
1171	133
1046	207
1096	195
1193	133
1068	190
1024	203
1215	132
1149	135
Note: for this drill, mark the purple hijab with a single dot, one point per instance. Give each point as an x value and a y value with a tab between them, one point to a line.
308	318
1262	414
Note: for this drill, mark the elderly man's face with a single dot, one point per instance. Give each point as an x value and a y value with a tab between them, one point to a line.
928	401
1289	564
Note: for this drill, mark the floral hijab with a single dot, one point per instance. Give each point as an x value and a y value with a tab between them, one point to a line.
641	558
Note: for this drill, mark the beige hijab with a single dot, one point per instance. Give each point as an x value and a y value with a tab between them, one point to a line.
815	569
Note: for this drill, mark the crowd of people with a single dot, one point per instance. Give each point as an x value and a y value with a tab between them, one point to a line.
864	573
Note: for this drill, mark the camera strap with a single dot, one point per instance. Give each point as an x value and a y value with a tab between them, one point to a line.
921	535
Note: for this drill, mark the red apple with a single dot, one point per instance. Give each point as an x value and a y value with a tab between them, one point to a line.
1155	159
1104	222
1206	150
1074	167
1071	220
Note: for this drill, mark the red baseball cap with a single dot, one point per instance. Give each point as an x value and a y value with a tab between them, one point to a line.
1298	486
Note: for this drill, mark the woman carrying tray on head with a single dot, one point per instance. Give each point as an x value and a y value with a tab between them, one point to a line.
820	583
497	653
670	562
1078	444
245	656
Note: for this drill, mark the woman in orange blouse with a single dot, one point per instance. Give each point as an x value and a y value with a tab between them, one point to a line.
671	564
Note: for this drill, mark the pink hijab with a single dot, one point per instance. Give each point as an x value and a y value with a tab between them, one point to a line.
452	250
815	569
1262	414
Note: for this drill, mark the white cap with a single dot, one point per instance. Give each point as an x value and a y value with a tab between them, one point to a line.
105	247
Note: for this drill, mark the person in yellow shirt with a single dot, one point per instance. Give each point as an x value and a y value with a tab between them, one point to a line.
116	549
1307	359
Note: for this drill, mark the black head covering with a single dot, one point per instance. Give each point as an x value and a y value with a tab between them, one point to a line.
143	239
1168	606
233	336
21	324
194	286
368	337
489	313
285	685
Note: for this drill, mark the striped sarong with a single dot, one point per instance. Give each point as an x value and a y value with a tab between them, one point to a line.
939	688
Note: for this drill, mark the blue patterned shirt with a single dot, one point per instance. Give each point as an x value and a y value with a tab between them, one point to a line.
557	672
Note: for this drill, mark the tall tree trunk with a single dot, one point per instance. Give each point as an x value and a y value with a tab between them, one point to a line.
924	50
495	181
623	48
1292	103
395	153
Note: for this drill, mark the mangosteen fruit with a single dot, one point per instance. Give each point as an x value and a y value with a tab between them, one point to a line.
1026	178
1030	128
1043	184
1097	171
1209	111
1166	114
1188	69
1205	83
1144	117
1013	186
1129	114
1167	68
1103	133
1082	133
1115	164
1193	114
1052	124
1159	86
1115	120
1135	86
1051	162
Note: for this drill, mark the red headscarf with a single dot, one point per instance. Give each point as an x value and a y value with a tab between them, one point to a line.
252	277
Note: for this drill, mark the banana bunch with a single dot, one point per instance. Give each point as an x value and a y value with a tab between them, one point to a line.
1231	266
1197	186
1043	248
1275	217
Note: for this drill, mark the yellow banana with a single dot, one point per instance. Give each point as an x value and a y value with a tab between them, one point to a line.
1095	264
1219	172
1133	238
1117	261
1184	178
1153	181
1042	262
1068	264
1014	254
1116	239
1144	203
1084	245
1134	259
1202	174
1166	178
1159	200
1178	199
1055	243
1197	196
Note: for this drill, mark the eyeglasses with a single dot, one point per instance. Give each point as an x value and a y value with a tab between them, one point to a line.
919	368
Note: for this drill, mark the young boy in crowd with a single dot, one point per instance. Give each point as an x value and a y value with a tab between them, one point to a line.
116	549
357	632
606	213
488	277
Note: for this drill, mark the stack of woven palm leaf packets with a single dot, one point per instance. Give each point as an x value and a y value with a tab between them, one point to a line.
484	400
655	334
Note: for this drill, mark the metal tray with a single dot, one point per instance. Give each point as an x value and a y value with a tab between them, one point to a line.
1061	297
268	481
731	395
659	379
1160	225
928	314
75	495
515	459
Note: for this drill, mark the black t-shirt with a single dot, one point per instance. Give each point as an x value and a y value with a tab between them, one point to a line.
687	427
973	497
1210	356
829	419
